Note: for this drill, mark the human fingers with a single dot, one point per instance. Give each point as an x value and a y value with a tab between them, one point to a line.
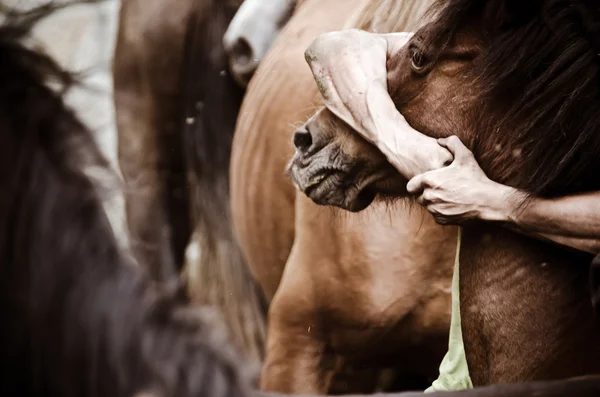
460	152
418	183
428	197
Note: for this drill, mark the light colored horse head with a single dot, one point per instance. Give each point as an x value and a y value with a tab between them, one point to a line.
252	32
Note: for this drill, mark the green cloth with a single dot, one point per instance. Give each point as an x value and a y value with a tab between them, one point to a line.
454	370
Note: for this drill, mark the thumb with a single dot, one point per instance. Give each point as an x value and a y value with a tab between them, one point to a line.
455	146
417	184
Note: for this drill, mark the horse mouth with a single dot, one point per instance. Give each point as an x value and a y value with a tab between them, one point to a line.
337	188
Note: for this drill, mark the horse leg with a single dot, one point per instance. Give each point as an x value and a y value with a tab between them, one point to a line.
296	359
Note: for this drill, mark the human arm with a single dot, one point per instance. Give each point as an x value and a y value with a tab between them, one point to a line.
462	192
572	221
350	70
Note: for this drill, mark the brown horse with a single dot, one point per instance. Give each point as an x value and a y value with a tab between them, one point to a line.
533	71
77	319
358	291
176	110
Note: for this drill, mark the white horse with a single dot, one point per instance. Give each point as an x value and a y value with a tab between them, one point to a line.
252	32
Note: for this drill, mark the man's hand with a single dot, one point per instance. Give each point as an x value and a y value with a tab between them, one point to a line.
462	191
350	70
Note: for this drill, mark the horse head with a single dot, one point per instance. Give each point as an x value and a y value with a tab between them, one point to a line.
518	85
251	33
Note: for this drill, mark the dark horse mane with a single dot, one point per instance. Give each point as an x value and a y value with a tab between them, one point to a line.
78	318
538	79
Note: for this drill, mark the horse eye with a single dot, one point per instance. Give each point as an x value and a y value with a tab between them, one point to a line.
419	61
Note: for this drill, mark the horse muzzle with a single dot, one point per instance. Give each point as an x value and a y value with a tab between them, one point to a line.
327	178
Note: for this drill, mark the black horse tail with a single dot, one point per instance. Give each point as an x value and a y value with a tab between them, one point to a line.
77	318
215	270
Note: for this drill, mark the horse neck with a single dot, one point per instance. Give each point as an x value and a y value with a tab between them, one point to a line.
525	308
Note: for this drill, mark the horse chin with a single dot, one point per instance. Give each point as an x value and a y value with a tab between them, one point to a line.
330	193
362	200
336	188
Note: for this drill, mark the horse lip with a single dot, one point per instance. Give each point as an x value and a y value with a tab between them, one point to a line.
354	199
349	195
317	180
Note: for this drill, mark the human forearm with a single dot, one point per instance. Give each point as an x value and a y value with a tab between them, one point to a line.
573	221
408	150
462	192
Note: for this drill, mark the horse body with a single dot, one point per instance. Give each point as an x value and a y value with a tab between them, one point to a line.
78	320
346	290
525	305
527	312
176	111
263	202
347	302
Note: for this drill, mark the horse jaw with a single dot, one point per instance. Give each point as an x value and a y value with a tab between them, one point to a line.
348	185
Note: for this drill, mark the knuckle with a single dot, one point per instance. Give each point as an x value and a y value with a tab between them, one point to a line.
428	180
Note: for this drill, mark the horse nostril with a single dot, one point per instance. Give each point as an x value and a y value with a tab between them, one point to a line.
242	51
302	139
